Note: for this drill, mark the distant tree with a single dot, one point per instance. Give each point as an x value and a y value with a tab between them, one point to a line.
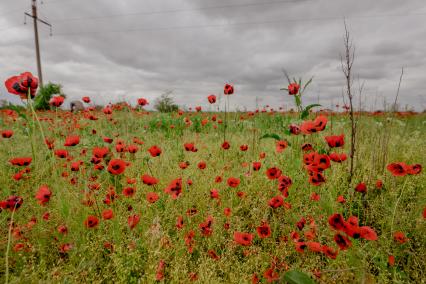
165	103
41	101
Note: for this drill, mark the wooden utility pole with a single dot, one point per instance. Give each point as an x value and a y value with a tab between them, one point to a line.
37	45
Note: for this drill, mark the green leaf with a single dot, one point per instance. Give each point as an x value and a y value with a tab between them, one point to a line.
287	132
271	135
297	277
305	112
307	84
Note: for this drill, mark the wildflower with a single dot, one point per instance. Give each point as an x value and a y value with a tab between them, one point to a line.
116	166
243	239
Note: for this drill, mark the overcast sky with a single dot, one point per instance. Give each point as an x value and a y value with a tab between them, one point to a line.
121	50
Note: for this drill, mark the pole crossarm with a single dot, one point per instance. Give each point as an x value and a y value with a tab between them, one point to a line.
38	19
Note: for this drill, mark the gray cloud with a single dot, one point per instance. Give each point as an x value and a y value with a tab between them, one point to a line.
194	50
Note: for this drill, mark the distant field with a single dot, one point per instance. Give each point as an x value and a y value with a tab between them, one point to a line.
78	219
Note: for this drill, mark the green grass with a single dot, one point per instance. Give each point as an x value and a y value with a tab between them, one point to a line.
137	252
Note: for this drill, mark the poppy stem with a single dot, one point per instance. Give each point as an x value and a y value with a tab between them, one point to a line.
97	206
9	238
396	205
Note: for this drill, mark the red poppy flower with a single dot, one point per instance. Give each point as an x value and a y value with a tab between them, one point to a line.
24	161
308	127
307	147
190	147
320	162
293	89
273	173
271	275
243	239
361	188
338	158
341	199
414	169
72	140
62	229
108	140
226	145
264	230
320	122
86	99
256	166
398	169
107	214
91	221
300	246
228	89
391	260
316	178
107	110
19	85
276	201
368	233
294	129
100	152
179	222
342	241
202	165
379	184
155	151
133	220
43	194
400	237
335	141
337	222
284	183
315	196
280	146
189	241
213	254
206	227
233	182
142	102
56	101
175	188
244	147
183	165
159	275
314	246
7	133
129	191
214	194
61	153
149	180
132	149
211	99
12	203
116	166
65	248
152	197
329	252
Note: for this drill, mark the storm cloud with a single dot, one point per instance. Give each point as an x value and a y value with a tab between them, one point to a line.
122	50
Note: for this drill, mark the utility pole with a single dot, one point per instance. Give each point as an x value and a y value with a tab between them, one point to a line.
37	45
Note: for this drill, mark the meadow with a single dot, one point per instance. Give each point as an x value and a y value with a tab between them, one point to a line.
94	201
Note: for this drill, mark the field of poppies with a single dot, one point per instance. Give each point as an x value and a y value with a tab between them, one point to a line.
122	195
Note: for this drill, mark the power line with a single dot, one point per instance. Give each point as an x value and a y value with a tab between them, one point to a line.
180	10
238	24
